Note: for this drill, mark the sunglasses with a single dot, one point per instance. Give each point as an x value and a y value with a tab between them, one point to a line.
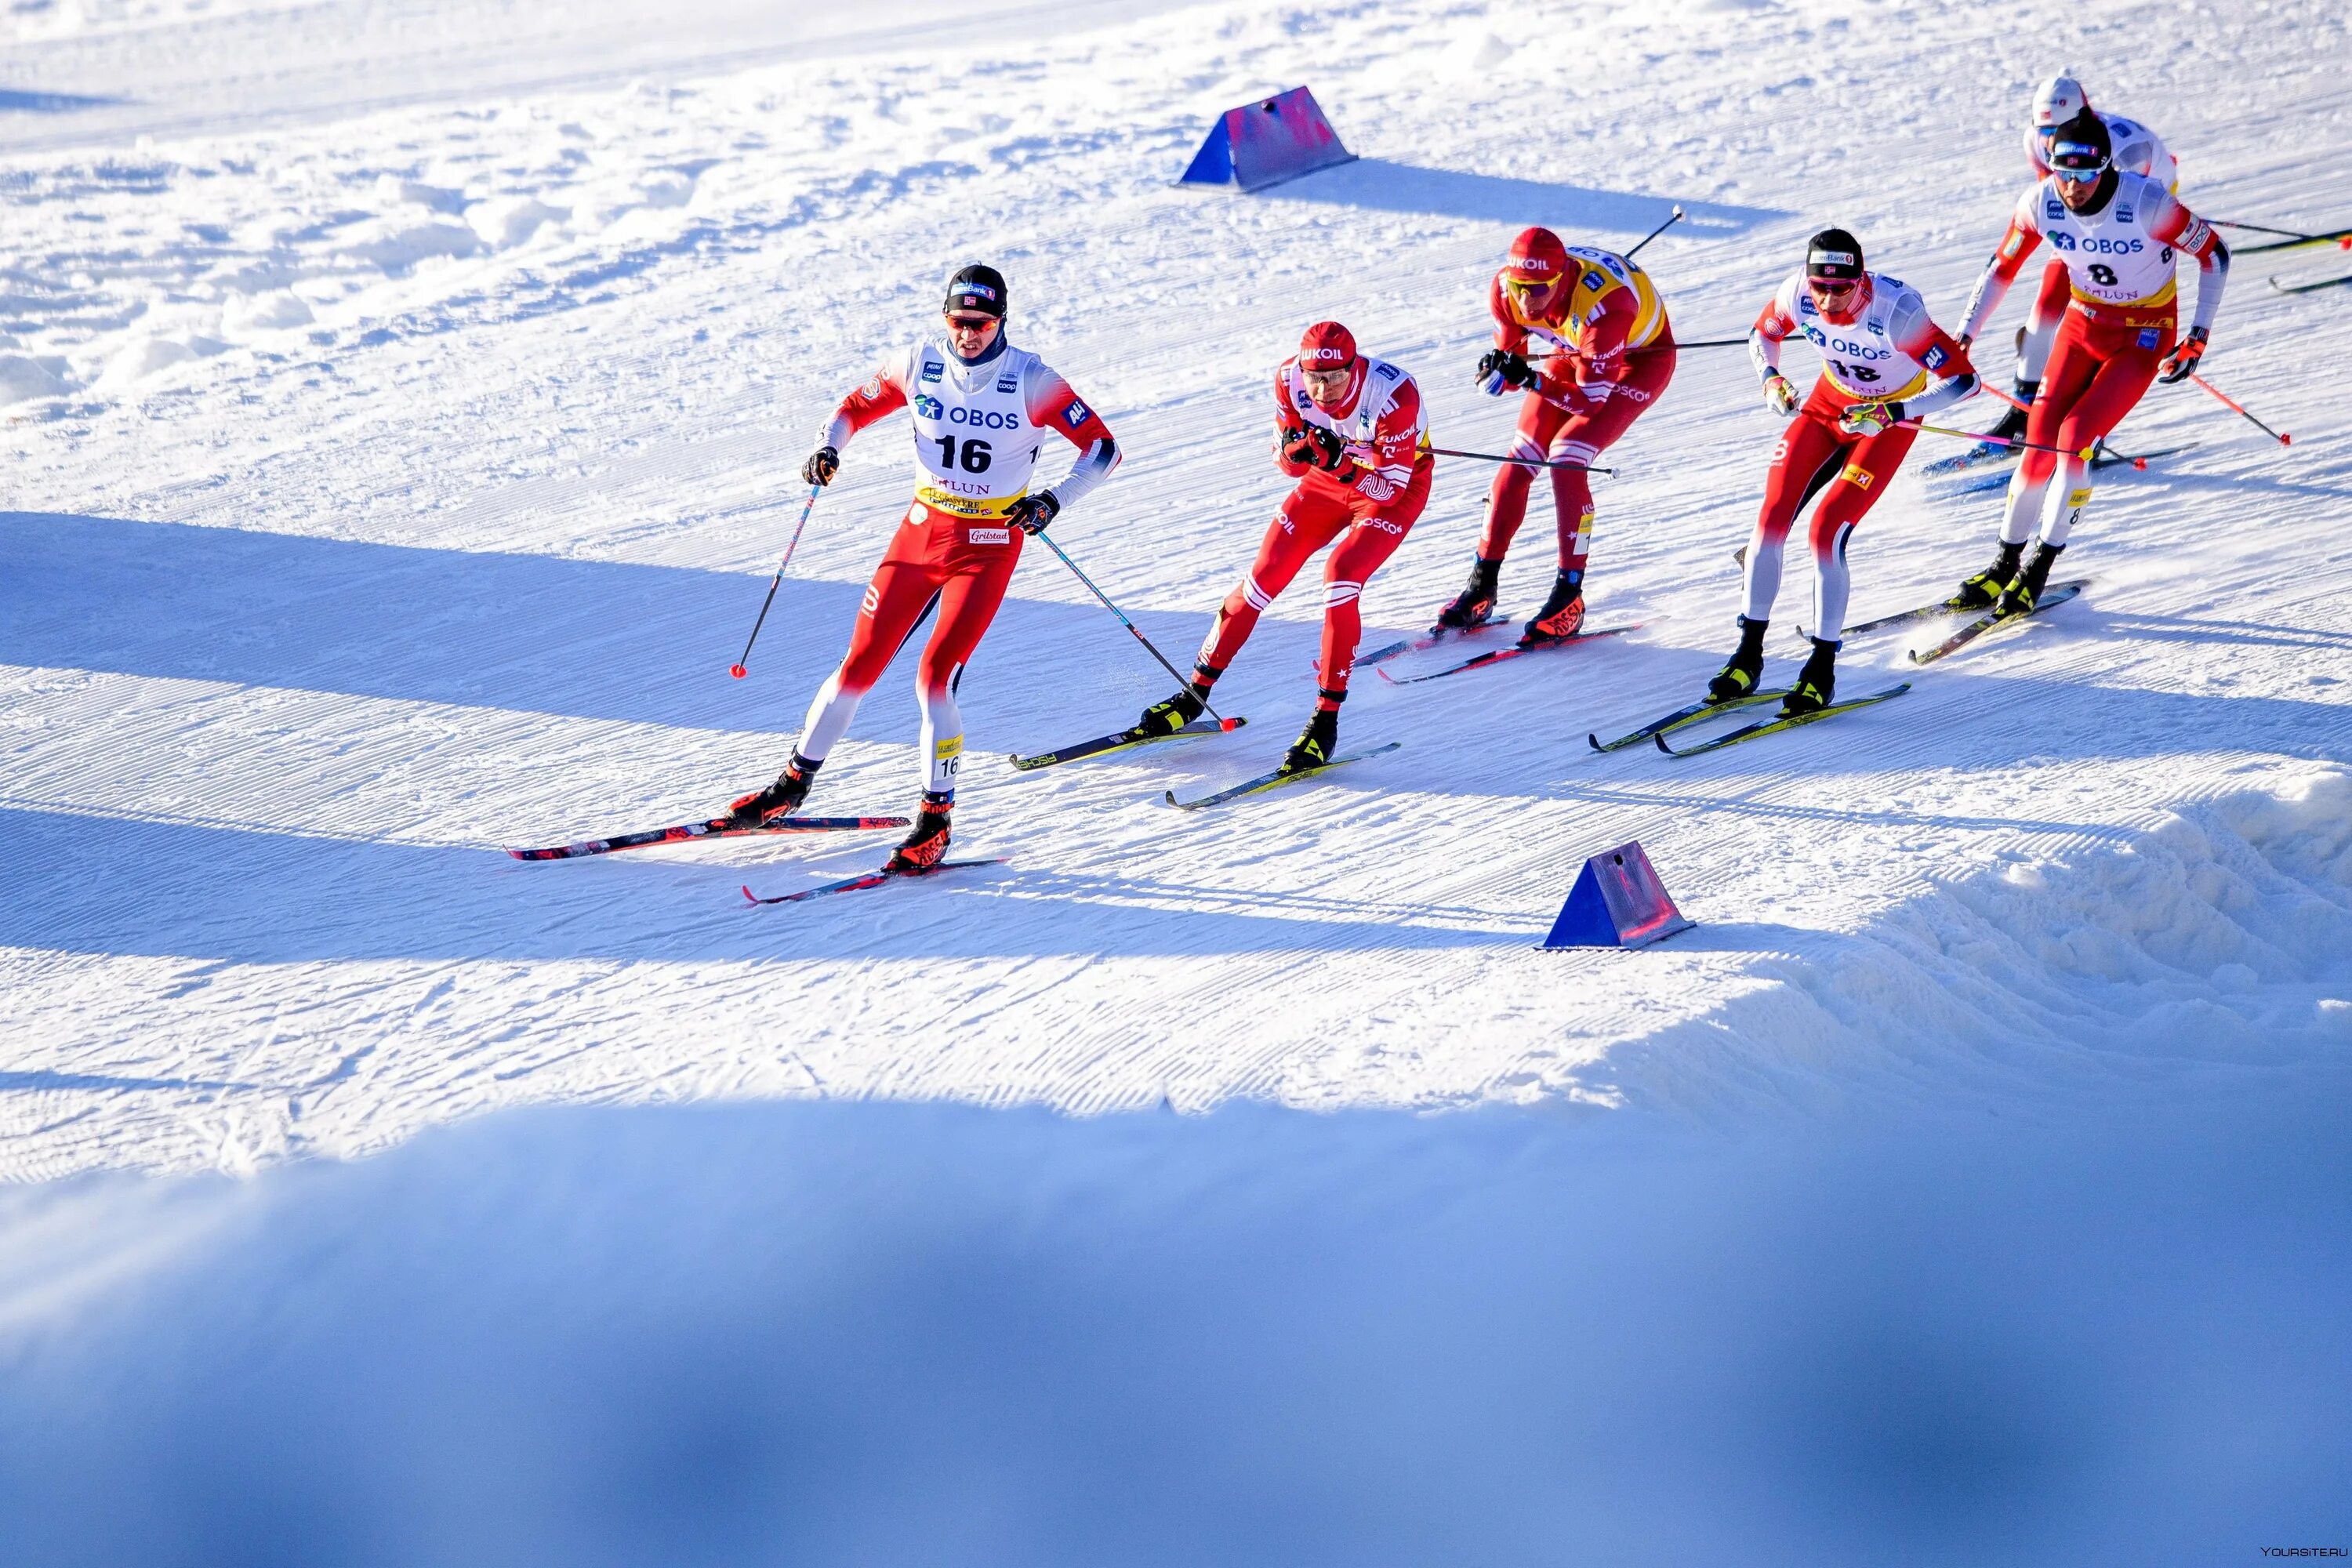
2080	176
1833	286
1527	285
972	324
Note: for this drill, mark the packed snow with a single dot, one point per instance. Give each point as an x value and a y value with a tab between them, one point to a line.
403	405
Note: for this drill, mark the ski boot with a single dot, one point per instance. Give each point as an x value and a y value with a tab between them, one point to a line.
1816	686
2010	427
1562	613
927	845
1980	592
1167	716
2020	598
780	798
1738	678
1317	744
1476	600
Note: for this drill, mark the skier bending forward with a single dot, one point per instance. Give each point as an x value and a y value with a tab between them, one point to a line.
982	408
1878	351
1350	429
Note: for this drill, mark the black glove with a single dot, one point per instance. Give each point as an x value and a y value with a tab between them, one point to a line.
2183	358
1499	369
1030	514
1330	453
823	464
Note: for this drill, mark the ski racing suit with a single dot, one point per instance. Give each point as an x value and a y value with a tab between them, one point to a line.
979	426
1887	353
2136	150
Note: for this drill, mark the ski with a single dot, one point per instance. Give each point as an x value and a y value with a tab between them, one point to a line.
1900	617
1983	452
871	879
2307	288
2057	594
716	827
1705	708
1774	726
1499	655
2103	458
1278	777
1102	746
1427	640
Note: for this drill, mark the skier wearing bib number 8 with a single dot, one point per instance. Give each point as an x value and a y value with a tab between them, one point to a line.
1884	363
981	410
2119	234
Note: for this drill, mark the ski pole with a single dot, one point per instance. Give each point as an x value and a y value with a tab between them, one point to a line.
1222	722
1702	344
2281	439
2012	441
738	668
2339	237
1673	218
1523	462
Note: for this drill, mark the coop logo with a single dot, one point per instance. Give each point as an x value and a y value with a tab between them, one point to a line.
932	369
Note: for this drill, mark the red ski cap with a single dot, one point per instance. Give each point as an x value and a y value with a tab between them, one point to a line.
1327	345
1536	257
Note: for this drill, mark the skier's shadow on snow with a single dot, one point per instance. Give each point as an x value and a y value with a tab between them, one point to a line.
1376	185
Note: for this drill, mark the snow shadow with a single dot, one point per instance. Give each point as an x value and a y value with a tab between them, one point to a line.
878	1333
1378	185
23	102
109	885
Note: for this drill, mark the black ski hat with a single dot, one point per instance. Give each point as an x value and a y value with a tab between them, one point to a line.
978	288
1833	254
2081	145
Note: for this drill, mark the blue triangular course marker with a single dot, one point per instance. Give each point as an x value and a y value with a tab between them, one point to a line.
1265	142
1618	902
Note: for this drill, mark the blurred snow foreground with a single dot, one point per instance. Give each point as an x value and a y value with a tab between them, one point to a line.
403	401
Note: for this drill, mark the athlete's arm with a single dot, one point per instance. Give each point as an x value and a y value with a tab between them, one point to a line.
1600	362
1510	336
1387	464
1773	324
1910	328
2018	244
1051	403
2175	225
884	393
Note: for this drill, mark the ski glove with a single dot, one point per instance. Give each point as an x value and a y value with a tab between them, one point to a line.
1869	419
1499	370
1316	448
2184	358
1030	514
823	464
1779	395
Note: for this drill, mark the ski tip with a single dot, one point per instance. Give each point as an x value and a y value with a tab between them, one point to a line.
1171	797
1593	741
519	854
1229	725
1660	742
747	896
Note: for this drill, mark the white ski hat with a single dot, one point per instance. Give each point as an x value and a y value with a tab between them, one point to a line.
2058	100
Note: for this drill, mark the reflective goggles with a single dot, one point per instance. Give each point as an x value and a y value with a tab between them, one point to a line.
1527	285
972	323
2076	163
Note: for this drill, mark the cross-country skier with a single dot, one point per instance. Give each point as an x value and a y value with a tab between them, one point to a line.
1606	351
1879	351
1350	429
982	409
2118	233
2138	150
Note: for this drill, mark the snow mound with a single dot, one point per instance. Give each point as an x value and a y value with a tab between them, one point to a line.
23	377
399	249
505	222
275	310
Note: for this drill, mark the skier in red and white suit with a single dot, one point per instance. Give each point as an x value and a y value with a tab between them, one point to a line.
981	411
2137	151
1350	429
2119	234
1596	320
1885	366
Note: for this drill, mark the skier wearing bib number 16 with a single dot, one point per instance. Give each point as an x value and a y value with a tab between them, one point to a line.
1879	351
2118	234
981	410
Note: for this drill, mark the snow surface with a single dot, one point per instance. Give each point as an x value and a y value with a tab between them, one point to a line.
402	407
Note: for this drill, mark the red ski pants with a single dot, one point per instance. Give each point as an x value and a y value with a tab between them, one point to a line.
2098	371
1312	516
1864	466
1549	431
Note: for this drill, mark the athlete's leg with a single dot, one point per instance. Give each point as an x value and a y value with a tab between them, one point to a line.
1860	482
2041	321
2072	367
1360	551
897	596
968	603
2113	391
1583	437
1506	500
1810	454
1307	521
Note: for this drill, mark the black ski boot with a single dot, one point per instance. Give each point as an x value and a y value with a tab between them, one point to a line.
1980	592
1476	600
780	798
1562	613
1167	716
1738	678
1317	744
927	845
2012	424
2020	598
1816	686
